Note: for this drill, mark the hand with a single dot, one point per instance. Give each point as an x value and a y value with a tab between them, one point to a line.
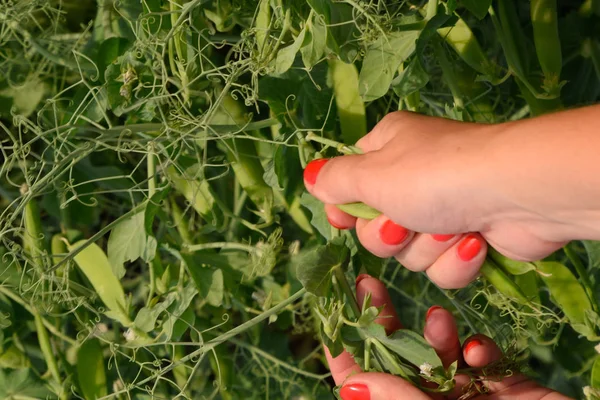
441	333
440	186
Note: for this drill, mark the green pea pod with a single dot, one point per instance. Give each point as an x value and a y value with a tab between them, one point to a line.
567	293
199	193
33	238
350	106
502	282
91	374
359	210
511	266
94	264
45	346
243	157
465	44
544	20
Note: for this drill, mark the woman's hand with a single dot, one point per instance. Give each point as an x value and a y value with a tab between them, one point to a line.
441	333
448	188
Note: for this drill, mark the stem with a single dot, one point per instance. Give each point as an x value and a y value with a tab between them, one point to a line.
583	274
222	338
342	148
151	170
46	347
343	283
220	245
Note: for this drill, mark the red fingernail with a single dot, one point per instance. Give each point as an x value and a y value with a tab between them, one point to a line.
431	309
442	238
392	234
355	391
361	277
469	247
471	345
312	170
336	226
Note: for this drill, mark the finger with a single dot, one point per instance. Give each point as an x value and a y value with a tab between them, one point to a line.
381	236
383	132
380	297
379	386
460	264
342	366
339	219
441	333
424	249
480	351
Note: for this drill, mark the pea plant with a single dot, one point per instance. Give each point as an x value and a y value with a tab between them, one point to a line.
156	238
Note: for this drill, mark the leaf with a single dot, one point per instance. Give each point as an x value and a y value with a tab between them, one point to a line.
314	267
410	80
146	318
285	57
412	347
180	314
479	8
382	60
319	217
26	97
209	281
154	204
314	43
20	384
127	242
91	374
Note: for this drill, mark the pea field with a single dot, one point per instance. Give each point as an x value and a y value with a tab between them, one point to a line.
156	237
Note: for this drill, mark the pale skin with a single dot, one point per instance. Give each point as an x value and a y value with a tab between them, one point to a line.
447	190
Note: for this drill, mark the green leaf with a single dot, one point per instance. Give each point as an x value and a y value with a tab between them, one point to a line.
20	384
26	97
127	242
479	8
410	80
154	204
412	347
91	374
314	42
146	318
209	281
319	217
381	62
314	267
285	57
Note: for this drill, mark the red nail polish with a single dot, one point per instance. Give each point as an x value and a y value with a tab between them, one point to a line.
355	391
336	226
471	345
431	309
312	170
442	238
361	277
392	234
469	247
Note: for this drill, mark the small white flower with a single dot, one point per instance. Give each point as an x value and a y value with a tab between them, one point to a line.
130	335
597	348
426	369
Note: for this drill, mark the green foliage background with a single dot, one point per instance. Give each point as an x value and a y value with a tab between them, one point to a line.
172	135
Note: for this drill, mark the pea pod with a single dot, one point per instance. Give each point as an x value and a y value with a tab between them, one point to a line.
502	282
567	293
547	41
95	266
243	157
350	106
91	373
511	266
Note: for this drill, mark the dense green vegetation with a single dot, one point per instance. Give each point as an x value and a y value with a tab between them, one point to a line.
156	239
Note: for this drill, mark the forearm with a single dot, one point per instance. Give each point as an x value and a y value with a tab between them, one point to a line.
550	166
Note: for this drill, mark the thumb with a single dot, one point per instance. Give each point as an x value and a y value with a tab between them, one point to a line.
379	386
340	180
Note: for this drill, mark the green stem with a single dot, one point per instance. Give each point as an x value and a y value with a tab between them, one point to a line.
46	347
223	338
343	282
219	245
342	148
583	274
